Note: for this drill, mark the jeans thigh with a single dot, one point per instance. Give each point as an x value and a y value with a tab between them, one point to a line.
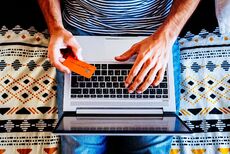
83	144
140	144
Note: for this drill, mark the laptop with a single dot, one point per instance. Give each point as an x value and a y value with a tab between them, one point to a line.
102	105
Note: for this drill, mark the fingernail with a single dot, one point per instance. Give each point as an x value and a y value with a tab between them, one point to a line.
130	91
126	85
138	91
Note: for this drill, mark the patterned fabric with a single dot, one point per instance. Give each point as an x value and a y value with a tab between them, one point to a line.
27	93
205	95
116	16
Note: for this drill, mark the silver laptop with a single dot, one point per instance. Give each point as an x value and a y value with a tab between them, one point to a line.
102	105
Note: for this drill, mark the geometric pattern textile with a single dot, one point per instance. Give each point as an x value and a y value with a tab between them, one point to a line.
28	107
205	95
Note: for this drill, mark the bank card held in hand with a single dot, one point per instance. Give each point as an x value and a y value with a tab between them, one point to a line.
79	67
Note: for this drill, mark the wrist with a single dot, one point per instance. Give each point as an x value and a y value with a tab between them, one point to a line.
55	29
171	31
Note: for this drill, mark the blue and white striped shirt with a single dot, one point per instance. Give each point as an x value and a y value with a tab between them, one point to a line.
116	16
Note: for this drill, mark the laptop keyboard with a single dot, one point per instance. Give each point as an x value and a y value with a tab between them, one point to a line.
108	82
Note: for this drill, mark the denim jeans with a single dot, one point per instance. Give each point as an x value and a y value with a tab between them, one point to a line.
119	144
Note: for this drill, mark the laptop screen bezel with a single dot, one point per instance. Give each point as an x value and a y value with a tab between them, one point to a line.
117	132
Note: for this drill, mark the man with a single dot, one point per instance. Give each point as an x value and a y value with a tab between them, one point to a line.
162	21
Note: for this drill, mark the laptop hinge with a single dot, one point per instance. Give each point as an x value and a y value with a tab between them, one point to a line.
119	111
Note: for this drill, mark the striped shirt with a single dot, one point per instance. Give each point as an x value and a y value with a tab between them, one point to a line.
116	16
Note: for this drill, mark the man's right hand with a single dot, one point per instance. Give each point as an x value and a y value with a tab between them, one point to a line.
62	39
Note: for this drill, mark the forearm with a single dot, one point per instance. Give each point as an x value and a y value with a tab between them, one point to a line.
51	10
179	14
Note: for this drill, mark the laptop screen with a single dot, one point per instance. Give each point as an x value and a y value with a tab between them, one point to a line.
125	125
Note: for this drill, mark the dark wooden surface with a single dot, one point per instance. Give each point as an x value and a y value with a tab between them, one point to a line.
27	13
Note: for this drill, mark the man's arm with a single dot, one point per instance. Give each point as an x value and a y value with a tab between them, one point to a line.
51	10
153	52
180	12
60	38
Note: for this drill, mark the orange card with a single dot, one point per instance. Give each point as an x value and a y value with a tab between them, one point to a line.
79	67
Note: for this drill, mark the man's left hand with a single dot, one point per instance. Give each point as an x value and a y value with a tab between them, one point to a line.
150	64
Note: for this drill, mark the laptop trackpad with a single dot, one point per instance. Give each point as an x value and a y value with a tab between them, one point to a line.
121	125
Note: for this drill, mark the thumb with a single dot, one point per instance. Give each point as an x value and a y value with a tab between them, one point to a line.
126	55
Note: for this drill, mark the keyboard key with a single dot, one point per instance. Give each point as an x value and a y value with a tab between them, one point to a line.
122	85
146	91
93	78
145	96
86	96
152	91
102	84
104	66
119	91
120	78
74	82
110	72
107	78
163	85
92	91
124	72
85	91
112	96
119	96
125	91
86	79
139	95
95	84
80	78
132	95
104	72
159	91
165	91
105	91
76	91
114	78
88	84
97	72
126	96
98	66
99	96
158	96
100	78
120	66
115	84
82	84
106	96
73	96
109	84
80	96
165	96
93	96
98	91
112	91
152	96
117	72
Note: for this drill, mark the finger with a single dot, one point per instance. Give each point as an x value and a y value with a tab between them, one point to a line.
55	56
142	74
61	59
76	48
61	67
126	55
150	78
159	77
136	68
